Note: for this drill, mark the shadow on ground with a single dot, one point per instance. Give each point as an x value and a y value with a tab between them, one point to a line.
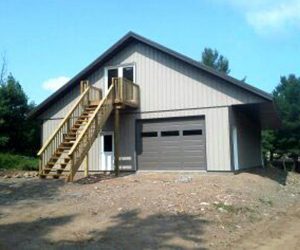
24	190
275	174
94	178
126	231
30	235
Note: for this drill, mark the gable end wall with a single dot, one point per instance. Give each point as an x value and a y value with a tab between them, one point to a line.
169	88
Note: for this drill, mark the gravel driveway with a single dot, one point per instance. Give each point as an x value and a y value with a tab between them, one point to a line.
144	211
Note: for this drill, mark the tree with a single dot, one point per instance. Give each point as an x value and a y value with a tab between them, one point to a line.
268	144
286	141
212	59
17	134
287	98
3	69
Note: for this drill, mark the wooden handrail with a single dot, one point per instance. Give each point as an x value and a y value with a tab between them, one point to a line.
63	122
90	121
48	152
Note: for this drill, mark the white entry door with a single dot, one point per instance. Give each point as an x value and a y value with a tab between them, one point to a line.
107	154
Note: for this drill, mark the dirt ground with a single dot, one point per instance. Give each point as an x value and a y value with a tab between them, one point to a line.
253	210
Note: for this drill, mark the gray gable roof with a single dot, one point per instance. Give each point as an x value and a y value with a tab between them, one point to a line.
122	43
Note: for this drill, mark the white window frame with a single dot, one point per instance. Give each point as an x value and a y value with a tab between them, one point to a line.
120	73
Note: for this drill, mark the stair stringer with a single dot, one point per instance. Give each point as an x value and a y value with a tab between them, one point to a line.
87	137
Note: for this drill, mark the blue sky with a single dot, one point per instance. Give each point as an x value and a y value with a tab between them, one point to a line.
47	42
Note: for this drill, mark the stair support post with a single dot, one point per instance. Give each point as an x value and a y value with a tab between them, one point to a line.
71	176
117	140
86	165
40	165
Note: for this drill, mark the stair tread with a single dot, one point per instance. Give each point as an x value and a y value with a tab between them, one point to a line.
72	133
53	175
70	137
63	148
52	163
59	157
67	139
56	169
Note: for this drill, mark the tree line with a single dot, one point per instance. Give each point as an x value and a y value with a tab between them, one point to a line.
18	135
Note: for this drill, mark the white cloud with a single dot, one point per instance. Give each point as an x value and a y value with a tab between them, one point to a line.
277	18
55	83
269	16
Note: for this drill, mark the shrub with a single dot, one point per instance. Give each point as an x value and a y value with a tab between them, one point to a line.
18	162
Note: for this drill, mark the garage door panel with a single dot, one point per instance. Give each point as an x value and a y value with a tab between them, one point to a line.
193	159
170	151
194	139
168	138
151	156
197	148
193	166
193	144
169	157
170	166
179	144
150	148
192	147
188	154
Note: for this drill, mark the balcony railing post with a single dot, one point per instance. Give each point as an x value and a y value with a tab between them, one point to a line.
117	90
99	95
68	125
88	97
40	163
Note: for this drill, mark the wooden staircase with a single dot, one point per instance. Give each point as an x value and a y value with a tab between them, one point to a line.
56	166
64	151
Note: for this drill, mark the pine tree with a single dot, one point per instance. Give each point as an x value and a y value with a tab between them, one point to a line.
212	59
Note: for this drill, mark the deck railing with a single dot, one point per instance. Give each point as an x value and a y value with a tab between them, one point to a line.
127	92
50	147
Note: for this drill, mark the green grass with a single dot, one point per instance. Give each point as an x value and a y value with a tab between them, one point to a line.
228	208
266	201
18	162
233	209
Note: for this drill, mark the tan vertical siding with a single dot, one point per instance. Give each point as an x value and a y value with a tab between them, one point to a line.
169	88
62	106
49	127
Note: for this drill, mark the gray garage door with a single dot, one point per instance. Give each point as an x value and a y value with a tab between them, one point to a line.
171	144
